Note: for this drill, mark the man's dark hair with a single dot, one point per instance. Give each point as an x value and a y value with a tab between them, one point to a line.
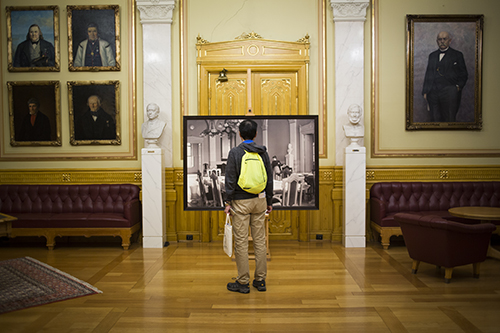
248	129
39	30
92	25
34	101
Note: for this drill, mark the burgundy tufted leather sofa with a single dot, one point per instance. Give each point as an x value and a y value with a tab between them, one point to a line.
425	198
73	210
437	241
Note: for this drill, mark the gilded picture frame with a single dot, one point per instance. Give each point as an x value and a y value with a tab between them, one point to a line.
444	69
43	100
101	97
36	26
94	38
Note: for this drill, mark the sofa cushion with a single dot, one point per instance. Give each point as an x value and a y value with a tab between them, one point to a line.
73	220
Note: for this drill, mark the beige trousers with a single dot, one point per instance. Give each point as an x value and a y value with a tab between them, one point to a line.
249	212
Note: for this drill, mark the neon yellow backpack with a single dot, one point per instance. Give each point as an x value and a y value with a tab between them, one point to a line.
253	175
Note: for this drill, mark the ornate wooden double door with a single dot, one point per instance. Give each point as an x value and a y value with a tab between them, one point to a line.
268	77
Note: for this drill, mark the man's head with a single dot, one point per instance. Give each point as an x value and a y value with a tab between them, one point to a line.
354	113
94	103
34	33
153	111
443	40
92	31
33	105
248	129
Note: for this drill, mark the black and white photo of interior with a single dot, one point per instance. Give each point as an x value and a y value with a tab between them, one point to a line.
291	145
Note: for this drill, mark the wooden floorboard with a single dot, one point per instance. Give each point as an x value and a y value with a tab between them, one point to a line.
312	287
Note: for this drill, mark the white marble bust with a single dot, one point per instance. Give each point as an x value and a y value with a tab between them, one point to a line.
153	128
354	131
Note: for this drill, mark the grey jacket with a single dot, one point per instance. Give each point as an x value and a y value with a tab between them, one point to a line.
233	190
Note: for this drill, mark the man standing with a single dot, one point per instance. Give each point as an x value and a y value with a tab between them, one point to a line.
35	125
95	123
445	78
34	51
94	51
248	210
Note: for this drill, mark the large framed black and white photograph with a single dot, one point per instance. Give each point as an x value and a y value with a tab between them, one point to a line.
33	38
94	38
292	145
35	113
94	112
444	67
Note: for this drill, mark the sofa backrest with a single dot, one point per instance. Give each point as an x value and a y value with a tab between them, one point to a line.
435	196
100	198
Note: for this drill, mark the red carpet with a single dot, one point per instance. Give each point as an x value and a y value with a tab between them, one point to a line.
26	282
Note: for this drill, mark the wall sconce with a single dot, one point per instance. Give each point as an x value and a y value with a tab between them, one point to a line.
222	75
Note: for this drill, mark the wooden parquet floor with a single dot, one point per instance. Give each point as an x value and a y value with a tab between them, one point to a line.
312	287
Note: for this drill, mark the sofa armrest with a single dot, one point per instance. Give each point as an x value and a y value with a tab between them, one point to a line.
377	210
132	211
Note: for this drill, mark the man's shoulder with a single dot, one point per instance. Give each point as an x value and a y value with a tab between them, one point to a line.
42	115
454	51
104	114
45	43
23	44
104	43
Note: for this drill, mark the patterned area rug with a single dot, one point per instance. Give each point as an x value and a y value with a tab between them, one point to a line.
27	282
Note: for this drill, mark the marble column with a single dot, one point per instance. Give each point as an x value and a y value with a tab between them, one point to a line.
156	20
349	18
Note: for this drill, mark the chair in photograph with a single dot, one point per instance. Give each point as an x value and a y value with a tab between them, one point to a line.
293	189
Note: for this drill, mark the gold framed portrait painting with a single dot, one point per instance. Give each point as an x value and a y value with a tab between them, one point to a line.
94	112
94	38
35	113
33	39
444	65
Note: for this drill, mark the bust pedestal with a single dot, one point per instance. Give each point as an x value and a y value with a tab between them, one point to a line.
354	196
153	198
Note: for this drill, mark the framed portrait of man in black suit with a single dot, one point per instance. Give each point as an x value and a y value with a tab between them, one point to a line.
94	112
35	113
94	38
33	39
444	67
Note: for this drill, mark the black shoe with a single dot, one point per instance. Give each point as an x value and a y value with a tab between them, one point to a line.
236	286
260	285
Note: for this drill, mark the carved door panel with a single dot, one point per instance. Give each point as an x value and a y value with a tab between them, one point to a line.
228	98
275	93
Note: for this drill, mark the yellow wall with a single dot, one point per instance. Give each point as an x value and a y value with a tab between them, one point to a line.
68	156
392	86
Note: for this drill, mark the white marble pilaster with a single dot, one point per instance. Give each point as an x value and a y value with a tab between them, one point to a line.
156	20
354	197
349	17
153	198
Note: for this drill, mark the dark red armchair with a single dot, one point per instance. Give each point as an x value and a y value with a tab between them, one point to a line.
436	241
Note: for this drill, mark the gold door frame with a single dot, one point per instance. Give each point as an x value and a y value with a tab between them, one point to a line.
263	58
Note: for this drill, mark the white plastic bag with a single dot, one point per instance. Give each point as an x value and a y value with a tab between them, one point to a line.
228	237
